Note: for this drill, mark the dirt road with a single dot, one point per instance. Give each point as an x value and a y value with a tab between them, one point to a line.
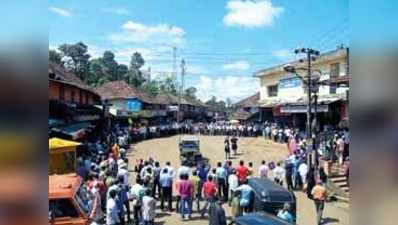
251	150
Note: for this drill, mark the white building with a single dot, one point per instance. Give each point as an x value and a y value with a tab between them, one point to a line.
282	95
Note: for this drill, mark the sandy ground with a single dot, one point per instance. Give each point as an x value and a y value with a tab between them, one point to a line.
249	149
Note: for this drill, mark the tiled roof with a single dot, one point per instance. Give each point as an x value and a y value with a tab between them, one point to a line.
251	101
121	90
59	74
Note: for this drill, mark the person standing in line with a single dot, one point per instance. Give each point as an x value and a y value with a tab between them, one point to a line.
289	175
203	172
112	216
245	196
319	194
232	184
227	148
263	170
217	214
166	183
242	172
186	193
278	174
137	191
209	192
148	208
156	176
221	177
303	171
196	188
251	170
178	194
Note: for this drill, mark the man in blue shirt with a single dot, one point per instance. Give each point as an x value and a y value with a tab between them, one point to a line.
166	183
203	172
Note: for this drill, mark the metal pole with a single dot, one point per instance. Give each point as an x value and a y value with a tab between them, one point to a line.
180	96
314	147
309	133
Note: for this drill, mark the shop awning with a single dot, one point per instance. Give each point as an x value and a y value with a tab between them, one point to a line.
56	145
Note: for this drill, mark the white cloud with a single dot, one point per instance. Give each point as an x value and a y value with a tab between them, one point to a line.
251	14
118	11
283	54
238	65
59	11
134	32
233	87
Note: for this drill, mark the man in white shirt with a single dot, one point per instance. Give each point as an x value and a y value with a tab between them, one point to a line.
183	170
278	173
170	169
112	216
232	184
303	170
263	170
123	172
148	208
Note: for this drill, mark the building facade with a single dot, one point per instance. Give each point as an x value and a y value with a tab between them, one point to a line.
283	98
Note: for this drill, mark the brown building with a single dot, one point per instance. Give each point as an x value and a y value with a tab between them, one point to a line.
72	104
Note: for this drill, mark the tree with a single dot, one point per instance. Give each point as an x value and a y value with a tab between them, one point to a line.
136	61
134	76
54	56
168	85
121	71
96	72
151	88
190	93
110	65
80	57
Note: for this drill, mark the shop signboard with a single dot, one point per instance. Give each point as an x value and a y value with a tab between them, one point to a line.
303	108
133	105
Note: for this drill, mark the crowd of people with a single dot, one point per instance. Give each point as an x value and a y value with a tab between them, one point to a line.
107	180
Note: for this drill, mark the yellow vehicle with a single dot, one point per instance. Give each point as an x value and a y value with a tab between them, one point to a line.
62	156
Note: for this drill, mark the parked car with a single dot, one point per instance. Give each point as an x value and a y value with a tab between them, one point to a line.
270	197
259	219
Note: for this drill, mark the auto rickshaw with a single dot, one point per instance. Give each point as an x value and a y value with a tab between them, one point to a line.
68	200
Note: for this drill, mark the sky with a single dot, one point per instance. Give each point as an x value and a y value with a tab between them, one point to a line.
223	42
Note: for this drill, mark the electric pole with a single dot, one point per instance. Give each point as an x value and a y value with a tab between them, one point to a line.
174	62
310	86
180	94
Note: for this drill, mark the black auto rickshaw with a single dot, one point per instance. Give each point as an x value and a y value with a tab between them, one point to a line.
260	219
270	197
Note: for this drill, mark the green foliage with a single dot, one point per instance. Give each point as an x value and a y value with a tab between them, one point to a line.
190	93
54	56
97	71
79	55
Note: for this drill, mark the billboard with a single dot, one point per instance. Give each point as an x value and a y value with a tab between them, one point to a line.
133	105
291	82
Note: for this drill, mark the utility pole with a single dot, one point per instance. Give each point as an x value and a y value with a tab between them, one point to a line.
175	62
180	94
312	152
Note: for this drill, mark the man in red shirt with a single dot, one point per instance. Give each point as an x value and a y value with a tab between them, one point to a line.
242	172
209	191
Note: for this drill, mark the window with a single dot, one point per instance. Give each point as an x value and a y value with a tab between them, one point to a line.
332	88
62	208
334	70
61	92
272	90
72	96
